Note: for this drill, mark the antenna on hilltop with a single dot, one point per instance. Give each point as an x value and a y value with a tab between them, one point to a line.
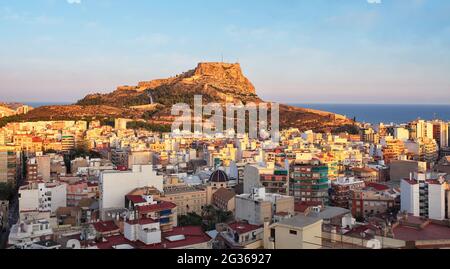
222	58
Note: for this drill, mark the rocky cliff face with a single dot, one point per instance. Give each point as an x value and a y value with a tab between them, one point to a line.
216	82
219	82
228	77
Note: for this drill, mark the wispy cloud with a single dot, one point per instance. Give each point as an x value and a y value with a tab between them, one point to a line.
374	1
74	2
8	14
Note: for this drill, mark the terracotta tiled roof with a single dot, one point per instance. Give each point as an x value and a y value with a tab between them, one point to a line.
377	186
137	199
224	194
242	228
141	221
193	235
163	205
105	226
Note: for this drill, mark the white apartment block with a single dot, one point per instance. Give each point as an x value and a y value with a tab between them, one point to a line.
43	197
114	185
425	198
401	133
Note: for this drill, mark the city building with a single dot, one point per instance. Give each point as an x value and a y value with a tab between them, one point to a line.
392	149
275	180
147	207
224	200
298	232
401	169
373	200
242	235
25	233
440	133
366	174
42	197
428	198
189	237
342	191
114	185
309	181
10	165
259	207
187	198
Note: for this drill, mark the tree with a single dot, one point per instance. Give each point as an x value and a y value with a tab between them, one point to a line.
6	191
191	219
212	216
351	129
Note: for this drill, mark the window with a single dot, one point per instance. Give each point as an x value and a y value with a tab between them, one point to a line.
293	232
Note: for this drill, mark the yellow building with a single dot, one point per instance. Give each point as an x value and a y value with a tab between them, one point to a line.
299	232
187	198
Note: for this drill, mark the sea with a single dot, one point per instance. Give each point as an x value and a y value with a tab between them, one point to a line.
39	104
368	113
385	113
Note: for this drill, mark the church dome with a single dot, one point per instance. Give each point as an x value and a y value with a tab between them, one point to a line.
218	176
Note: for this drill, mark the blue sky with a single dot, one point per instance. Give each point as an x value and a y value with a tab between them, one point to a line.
296	51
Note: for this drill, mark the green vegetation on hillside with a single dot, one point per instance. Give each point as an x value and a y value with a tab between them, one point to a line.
136	125
116	99
348	128
5	120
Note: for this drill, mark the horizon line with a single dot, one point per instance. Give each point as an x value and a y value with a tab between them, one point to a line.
281	102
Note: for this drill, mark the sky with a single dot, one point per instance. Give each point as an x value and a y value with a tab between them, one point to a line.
294	51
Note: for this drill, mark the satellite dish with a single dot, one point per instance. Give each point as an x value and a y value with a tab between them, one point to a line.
73	244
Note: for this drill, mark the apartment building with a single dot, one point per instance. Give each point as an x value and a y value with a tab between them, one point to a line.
299	232
274	179
426	198
401	169
42	197
242	235
371	201
342	191
187	198
147	207
10	165
310	182
259	207
114	185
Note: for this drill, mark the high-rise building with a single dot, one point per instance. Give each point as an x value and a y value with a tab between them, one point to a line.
309	182
426	198
392	149
10	167
401	133
440	133
68	142
423	129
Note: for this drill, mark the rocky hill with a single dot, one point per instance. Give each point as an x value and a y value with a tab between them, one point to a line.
11	109
153	100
